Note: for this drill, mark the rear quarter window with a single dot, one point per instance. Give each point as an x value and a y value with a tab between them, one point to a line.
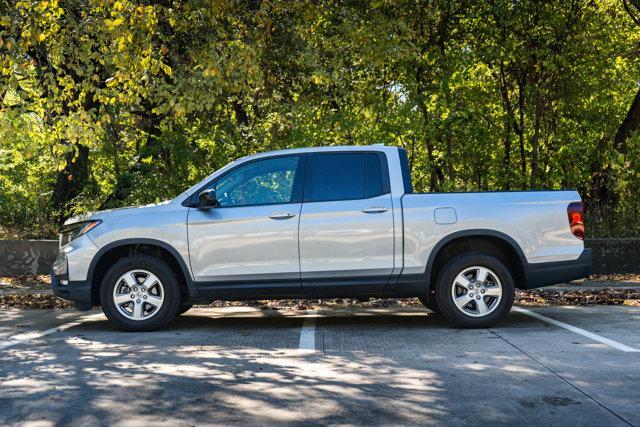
406	173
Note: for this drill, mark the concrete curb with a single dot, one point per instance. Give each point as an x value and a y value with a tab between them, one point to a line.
26	292
594	286
590	288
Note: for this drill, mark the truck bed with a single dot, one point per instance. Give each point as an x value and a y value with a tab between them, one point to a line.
536	221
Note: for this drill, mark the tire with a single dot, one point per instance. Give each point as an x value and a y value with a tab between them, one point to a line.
430	303
144	303
183	309
459	284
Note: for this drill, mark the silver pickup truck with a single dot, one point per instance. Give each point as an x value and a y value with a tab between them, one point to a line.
321	223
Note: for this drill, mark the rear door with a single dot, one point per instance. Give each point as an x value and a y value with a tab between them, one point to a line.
346	222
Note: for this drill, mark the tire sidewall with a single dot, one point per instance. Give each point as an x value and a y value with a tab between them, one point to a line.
445	300
183	309
430	302
171	303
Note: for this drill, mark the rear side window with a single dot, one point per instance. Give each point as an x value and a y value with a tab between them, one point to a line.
373	177
336	177
345	176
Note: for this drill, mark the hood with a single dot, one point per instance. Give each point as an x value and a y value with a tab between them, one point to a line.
108	212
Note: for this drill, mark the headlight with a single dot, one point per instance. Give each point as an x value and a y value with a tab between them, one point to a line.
75	230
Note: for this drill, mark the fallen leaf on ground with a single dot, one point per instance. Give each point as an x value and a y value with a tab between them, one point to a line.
539	297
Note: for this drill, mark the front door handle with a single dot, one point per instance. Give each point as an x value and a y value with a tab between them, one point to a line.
375	209
281	215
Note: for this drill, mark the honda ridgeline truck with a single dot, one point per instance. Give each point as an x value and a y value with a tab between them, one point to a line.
321	223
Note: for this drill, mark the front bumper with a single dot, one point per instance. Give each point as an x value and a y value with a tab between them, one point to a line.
71	265
77	291
551	273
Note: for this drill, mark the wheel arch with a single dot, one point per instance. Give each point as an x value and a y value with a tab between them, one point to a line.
112	252
492	242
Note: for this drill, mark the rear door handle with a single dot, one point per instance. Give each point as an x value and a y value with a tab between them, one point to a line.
375	209
281	215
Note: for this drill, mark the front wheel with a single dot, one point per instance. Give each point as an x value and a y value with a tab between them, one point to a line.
475	291
140	293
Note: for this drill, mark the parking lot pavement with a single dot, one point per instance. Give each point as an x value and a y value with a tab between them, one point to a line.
352	366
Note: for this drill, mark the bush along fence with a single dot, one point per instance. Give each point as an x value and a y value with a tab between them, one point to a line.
17	257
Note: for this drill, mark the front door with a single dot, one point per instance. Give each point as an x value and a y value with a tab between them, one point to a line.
346	224
252	237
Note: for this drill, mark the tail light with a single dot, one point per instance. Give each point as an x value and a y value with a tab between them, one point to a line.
576	219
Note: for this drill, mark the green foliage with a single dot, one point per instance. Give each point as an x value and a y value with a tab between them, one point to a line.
108	103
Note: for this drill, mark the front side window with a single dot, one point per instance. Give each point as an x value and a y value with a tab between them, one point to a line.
261	182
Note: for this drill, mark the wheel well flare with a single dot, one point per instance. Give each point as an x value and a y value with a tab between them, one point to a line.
114	254
489	245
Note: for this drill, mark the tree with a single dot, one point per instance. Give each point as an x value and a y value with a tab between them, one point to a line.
116	102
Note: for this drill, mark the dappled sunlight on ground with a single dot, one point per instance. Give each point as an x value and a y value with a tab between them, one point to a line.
272	385
243	365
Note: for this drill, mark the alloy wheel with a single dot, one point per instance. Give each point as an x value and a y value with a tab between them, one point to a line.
138	295
476	291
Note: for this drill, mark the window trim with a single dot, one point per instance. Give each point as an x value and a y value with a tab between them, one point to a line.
298	183
384	170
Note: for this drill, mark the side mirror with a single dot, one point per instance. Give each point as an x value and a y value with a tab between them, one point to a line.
207	199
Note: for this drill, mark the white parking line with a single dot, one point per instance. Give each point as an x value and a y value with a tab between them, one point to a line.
577	330
28	336
308	332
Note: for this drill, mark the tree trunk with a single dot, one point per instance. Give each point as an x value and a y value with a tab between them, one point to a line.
535	142
506	160
602	192
519	128
150	124
450	170
629	125
436	174
508	120
70	181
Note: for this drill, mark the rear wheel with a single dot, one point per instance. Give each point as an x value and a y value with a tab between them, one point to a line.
140	293
475	291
